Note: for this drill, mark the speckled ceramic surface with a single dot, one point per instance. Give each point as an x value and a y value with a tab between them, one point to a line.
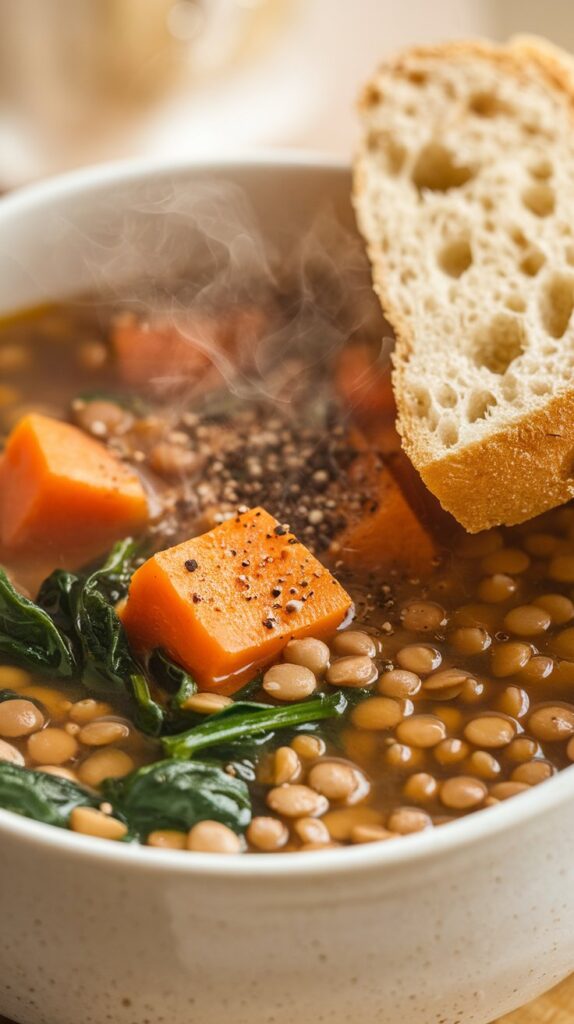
452	927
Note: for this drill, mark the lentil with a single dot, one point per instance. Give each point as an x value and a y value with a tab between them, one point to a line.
484	764
540	544
562	569
527	620
532	772
101	733
370	834
12	678
378	713
399	755
307	746
269	834
421	788
19	718
296	801
552	722
559	608
11	754
504	790
355	670
564	643
450	751
405	820
341	822
206	703
333	779
514	701
419	658
312	830
507	560
462	792
496	589
84	711
398	682
421	731
490	731
288	682
310	653
423	617
522	749
287	766
447	680
506	659
51	746
470	639
213	837
353	641
167	839
537	669
107	763
91	822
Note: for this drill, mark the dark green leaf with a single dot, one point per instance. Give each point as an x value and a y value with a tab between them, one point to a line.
29	637
178	794
113	577
250	689
57	597
107	659
40	796
172	678
242	719
148	715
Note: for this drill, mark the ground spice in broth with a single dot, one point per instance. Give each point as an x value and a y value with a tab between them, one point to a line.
458	683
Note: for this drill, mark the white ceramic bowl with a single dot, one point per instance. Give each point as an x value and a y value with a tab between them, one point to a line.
458	925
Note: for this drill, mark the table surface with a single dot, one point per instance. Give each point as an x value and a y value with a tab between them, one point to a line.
556	1007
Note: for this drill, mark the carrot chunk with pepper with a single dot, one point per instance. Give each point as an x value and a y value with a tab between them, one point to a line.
226	603
385	530
62	491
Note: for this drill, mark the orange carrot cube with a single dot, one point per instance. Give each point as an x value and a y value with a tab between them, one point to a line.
64	492
226	603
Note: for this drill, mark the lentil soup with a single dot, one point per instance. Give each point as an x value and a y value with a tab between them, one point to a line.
298	650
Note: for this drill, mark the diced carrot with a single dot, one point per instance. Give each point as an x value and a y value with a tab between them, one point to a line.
159	351
363	382
62	491
172	354
385	532
226	603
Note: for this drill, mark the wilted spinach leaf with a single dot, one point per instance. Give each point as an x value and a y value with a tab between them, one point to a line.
178	794
147	713
41	796
29	637
107	660
244	719
57	597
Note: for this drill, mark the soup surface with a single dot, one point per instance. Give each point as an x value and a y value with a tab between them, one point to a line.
443	688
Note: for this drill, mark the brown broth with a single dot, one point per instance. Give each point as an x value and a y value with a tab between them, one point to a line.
203	452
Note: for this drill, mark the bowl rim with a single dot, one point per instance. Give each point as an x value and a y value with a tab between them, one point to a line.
430	844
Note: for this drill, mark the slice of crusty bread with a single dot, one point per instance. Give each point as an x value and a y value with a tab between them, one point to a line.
464	192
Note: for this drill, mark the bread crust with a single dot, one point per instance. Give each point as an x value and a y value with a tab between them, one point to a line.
527	467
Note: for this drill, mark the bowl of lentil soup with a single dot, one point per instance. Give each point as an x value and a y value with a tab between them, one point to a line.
380	743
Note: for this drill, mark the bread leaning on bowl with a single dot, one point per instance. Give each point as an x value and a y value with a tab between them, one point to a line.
464	192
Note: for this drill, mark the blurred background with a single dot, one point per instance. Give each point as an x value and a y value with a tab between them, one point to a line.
83	81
